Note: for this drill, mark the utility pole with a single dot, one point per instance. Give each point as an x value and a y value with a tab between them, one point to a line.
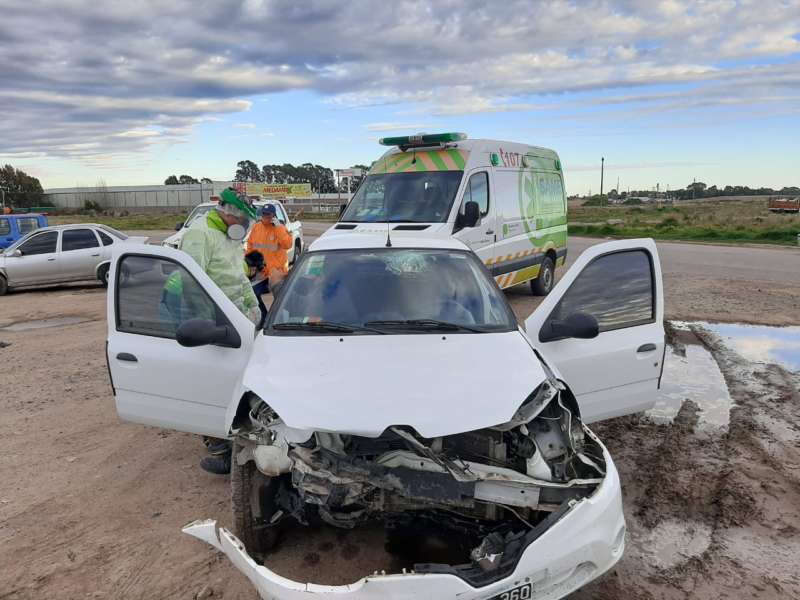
602	163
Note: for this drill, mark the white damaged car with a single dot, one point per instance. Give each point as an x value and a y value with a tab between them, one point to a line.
392	385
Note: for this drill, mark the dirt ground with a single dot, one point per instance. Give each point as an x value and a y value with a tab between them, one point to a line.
91	507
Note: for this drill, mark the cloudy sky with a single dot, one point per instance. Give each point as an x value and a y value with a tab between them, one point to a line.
131	92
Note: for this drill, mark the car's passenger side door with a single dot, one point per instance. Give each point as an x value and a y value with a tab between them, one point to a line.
157	381
38	262
80	254
617	372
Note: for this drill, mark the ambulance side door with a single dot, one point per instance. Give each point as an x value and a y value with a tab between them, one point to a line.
481	238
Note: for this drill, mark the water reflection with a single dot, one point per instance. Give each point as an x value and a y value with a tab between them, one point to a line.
695	377
762	344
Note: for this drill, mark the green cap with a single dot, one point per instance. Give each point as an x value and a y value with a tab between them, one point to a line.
229	196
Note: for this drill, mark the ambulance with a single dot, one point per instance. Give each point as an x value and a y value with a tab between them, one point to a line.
504	200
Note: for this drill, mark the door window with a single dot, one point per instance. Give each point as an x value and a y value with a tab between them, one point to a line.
27	224
106	239
44	243
155	295
5	226
477	191
549	193
78	239
616	289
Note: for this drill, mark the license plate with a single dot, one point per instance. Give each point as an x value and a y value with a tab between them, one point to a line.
522	592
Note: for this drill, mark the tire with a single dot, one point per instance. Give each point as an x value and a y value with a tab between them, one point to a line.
253	503
298	248
3	286
542	285
102	274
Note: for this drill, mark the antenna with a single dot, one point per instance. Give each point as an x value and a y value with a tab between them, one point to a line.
388	235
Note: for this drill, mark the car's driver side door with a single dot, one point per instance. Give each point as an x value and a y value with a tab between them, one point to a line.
157	380
617	372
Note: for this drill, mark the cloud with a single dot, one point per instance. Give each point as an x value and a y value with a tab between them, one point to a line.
104	81
389	126
245	125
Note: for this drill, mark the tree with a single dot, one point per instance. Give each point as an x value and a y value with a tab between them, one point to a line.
185	179
205	180
21	189
247	170
171	180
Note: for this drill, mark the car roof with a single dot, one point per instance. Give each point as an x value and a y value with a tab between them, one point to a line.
74	226
375	239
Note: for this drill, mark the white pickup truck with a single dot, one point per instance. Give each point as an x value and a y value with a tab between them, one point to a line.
294	227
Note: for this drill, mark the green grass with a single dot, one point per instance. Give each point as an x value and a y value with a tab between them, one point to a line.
740	221
150	221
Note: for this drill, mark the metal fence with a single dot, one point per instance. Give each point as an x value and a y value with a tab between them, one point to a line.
162	197
134	197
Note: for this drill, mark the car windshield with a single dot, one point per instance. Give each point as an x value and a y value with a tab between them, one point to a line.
111	231
423	197
389	291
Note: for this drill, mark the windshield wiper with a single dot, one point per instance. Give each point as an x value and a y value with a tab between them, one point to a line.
424	324
323	326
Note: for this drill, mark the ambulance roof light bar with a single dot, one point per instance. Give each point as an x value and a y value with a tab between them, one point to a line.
422	139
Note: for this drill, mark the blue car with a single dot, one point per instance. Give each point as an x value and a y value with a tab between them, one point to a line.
13	227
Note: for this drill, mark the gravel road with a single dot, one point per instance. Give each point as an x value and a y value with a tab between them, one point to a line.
91	507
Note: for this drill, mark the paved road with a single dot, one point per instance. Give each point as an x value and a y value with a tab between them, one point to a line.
749	263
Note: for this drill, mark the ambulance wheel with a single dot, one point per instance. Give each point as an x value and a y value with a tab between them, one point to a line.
542	285
253	503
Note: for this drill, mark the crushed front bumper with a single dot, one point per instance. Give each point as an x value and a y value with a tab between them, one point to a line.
587	541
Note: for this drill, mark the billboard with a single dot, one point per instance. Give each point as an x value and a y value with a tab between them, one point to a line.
279	190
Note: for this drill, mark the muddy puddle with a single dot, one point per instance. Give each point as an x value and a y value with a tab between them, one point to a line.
691	373
44	323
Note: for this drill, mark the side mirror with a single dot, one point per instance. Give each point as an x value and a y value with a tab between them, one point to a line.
16	253
203	332
179	226
472	214
577	325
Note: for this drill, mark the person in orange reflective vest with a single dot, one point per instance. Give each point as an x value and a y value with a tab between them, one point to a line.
270	238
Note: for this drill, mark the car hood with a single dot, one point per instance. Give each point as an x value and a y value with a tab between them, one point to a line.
439	384
174	238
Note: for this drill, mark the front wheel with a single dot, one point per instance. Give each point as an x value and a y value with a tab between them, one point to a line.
253	504
298	248
102	274
542	285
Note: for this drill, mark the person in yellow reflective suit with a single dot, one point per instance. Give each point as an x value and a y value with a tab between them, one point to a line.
215	243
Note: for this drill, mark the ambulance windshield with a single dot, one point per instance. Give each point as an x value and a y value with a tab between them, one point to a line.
420	197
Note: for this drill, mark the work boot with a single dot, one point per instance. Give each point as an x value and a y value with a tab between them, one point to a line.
217	447
218	465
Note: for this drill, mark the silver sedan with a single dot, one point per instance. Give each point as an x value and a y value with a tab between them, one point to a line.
60	254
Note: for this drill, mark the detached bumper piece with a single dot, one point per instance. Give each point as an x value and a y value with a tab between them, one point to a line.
570	553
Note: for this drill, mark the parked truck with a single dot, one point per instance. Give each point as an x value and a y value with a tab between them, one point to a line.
784	205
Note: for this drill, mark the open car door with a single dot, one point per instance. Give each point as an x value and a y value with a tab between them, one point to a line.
156	296
615	369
